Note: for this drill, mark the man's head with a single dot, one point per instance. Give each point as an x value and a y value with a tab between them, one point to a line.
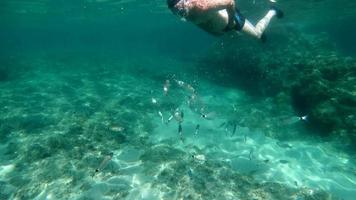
172	3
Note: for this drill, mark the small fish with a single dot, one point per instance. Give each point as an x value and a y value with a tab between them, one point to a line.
197	130
161	115
185	86
295	119
250	154
180	129
178	115
284	145
222	125
226	131
245	138
180	83
181	138
169	119
234	129
104	163
189	88
284	161
199	157
208	116
166	87
153	100
190	173
304	118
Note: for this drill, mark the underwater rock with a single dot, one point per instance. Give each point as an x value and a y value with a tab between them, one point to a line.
319	81
325	117
308	93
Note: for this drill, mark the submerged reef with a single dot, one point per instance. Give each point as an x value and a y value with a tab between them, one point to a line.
292	69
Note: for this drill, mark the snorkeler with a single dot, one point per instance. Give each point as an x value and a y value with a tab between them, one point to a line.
218	17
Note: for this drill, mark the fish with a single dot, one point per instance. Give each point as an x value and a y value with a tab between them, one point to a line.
304	118
234	129
180	83
182	138
250	154
104	163
180	129
190	173
169	119
166	87
190	88
284	145
185	86
161	115
222	125
199	157
208	116
178	115
153	100
294	119
284	161
197	130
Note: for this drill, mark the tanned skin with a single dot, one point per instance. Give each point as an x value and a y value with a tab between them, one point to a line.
213	16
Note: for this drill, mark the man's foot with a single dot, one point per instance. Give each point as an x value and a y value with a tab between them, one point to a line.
279	12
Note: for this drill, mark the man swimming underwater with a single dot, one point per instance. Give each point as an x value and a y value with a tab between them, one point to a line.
220	16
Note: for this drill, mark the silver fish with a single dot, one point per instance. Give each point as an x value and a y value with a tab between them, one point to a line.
161	115
283	161
178	115
104	163
169	119
234	129
251	154
180	129
190	173
284	145
197	130
208	116
166	87
222	125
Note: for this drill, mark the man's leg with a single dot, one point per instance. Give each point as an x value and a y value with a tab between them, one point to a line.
257	31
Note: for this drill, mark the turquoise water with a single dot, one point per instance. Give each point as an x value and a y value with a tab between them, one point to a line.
116	99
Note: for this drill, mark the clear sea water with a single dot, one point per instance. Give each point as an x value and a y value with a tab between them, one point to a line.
84	113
